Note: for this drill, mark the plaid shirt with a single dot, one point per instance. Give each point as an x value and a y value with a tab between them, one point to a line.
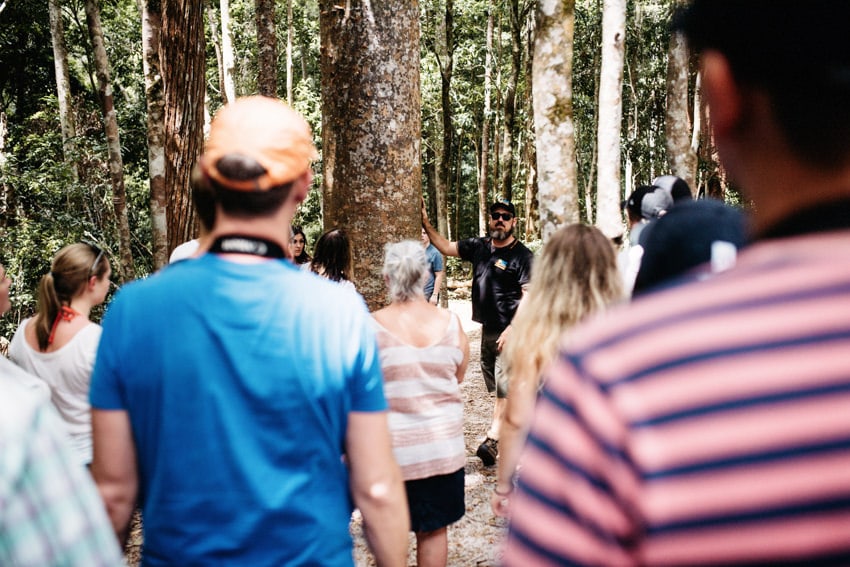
50	511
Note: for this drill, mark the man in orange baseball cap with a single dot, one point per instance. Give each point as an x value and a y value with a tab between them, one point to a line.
245	416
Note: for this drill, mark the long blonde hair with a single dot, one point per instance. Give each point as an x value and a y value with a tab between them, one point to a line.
575	276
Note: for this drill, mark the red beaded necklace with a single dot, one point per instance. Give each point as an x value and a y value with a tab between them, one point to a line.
65	314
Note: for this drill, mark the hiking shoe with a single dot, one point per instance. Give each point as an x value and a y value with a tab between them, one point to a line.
487	452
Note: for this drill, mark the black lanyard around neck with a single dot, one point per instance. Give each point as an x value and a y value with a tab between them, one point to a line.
241	244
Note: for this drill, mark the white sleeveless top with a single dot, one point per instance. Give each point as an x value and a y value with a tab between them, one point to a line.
426	407
68	373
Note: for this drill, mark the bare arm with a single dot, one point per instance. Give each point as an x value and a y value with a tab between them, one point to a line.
440	242
514	430
464	347
438	285
114	466
377	487
500	343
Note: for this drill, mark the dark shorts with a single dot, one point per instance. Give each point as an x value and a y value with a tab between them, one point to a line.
436	501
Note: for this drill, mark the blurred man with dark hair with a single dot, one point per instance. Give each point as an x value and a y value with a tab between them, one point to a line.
708	423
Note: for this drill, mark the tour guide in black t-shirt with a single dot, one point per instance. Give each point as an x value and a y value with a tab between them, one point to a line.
501	270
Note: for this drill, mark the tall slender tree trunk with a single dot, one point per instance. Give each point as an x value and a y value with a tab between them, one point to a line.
509	124
6	194
608	195
371	129
290	31
215	36
67	122
530	148
267	48
155	99
113	140
444	167
183	70
681	149
228	65
557	177
484	167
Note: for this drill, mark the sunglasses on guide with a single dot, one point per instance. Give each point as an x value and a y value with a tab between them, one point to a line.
503	216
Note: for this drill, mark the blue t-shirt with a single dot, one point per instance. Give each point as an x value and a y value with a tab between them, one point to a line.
238	380
435	264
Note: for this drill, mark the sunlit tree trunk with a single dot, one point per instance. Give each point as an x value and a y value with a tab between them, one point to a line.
681	143
484	165
267	48
509	108
67	122
371	129
113	140
183	69
553	115
608	195
530	148
215	36
155	99
228	65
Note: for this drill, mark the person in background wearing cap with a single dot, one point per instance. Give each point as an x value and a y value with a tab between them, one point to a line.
245	417
501	271
707	424
695	239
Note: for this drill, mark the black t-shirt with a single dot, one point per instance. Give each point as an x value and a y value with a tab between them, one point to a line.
498	275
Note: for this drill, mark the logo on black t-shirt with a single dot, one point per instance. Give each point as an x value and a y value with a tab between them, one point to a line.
501	264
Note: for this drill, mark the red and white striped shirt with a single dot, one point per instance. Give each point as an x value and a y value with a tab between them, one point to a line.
707	424
426	408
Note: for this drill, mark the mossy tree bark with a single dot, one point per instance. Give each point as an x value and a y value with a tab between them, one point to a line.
557	176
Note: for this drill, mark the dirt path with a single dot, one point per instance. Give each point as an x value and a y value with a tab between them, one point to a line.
474	540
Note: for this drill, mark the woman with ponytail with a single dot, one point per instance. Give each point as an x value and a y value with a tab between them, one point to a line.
59	343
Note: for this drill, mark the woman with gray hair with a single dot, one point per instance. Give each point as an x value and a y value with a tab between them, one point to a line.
424	353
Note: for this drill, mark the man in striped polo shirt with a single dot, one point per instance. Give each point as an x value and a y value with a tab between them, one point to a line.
710	423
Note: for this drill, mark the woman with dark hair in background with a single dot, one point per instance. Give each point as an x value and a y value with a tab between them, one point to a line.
332	258
298	246
59	343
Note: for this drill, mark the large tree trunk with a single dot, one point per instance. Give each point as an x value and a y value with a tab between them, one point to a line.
228	65
681	151
113	141
63	85
506	162
557	177
183	68
484	165
608	195
371	129
267	48
155	98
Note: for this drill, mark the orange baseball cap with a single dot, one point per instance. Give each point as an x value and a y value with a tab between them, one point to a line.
266	130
